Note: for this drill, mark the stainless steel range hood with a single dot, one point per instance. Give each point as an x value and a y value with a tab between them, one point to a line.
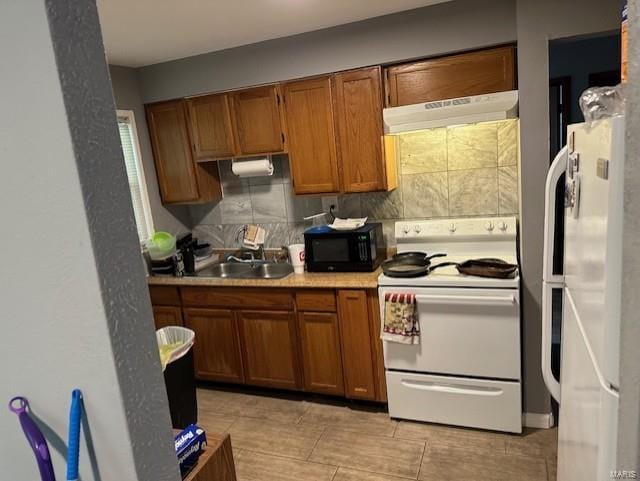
441	113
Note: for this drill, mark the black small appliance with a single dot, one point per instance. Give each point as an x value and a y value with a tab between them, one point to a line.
357	250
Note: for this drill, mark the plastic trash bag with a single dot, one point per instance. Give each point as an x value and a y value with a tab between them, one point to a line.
602	103
173	343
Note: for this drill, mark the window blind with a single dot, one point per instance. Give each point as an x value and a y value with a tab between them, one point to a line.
136	179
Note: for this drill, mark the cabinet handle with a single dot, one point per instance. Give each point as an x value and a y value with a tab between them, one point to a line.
453	389
491	300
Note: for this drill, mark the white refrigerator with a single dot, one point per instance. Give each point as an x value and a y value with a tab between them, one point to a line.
593	164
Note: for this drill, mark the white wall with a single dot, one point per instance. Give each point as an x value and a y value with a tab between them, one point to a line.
434	30
126	92
75	313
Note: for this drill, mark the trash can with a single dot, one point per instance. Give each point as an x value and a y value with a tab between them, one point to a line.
176	354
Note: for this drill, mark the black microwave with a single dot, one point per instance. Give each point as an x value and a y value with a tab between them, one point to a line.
358	250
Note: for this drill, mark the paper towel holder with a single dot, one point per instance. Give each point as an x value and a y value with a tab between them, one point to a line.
252	167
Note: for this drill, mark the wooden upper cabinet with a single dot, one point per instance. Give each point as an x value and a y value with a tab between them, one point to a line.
358	359
360	130
210	127
257	121
270	348
312	150
217	346
181	180
172	152
473	73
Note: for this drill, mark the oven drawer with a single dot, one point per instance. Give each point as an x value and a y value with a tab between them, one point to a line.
458	401
464	332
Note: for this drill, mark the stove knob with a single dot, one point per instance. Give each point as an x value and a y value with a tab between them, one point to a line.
503	226
405	229
489	226
452	228
417	229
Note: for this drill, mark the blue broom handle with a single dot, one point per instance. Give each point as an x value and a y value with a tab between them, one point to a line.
73	450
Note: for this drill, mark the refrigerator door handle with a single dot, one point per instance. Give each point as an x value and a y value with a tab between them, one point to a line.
550	281
547	374
558	167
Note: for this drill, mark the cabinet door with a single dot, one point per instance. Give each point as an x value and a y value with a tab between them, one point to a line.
256	120
270	352
210	126
217	346
172	152
359	120
312	141
167	316
474	73
321	358
357	356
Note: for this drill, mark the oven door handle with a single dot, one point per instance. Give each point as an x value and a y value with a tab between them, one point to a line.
452	389
486	300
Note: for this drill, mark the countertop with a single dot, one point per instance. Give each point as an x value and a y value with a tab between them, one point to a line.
327	280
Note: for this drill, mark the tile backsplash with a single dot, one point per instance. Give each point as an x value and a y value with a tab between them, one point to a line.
461	171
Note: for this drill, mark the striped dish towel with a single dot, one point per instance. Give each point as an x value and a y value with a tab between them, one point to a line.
400	323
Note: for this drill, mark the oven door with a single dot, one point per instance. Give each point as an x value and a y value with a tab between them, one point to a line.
464	332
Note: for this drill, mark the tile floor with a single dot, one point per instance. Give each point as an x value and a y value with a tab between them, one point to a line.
296	438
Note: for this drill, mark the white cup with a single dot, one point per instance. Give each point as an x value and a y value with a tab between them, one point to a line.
296	253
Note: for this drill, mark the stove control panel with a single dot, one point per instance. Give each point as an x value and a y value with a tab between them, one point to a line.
501	227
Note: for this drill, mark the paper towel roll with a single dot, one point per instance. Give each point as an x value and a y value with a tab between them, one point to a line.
255	167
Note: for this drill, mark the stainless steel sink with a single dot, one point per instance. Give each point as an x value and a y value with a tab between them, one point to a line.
272	270
247	270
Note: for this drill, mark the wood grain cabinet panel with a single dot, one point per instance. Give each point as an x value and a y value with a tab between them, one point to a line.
321	357
312	141
237	297
473	73
164	295
376	345
172	152
165	316
316	300
257	120
217	346
181	180
360	130
270	348
210	127
358	361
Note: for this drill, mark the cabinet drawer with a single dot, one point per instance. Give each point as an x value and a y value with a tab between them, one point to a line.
452	400
164	296
237	297
316	300
164	316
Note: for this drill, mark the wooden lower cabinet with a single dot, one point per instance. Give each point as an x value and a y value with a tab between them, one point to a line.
270	348
321	358
358	357
316	340
217	347
167	316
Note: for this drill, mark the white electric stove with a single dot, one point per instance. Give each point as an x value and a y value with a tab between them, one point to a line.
466	369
